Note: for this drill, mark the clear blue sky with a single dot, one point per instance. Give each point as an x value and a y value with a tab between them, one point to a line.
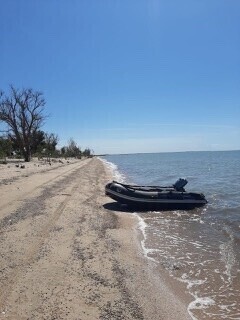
123	76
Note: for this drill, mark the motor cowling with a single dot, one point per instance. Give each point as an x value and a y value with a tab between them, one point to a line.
180	184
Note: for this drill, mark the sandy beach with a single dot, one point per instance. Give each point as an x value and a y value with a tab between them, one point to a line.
66	253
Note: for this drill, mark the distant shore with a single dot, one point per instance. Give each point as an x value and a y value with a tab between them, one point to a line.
66	253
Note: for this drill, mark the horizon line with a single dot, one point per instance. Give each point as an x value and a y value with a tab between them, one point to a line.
125	154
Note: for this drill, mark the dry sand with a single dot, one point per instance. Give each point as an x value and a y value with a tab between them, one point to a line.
65	254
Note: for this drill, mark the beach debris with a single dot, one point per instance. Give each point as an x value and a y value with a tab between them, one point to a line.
22	166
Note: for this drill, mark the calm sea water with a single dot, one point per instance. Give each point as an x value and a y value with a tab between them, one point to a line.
200	248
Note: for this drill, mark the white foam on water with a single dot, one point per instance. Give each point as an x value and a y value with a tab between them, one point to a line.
114	170
228	256
199	303
190	282
197	219
205	302
142	227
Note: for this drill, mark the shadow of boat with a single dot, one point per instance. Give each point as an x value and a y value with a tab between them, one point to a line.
115	206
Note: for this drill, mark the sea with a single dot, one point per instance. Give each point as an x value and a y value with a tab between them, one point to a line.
201	247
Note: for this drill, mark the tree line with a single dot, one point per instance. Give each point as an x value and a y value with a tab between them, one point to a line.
22	111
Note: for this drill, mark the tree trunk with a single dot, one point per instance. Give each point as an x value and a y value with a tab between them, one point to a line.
27	158
27	155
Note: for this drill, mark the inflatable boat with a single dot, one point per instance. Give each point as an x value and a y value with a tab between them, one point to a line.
173	197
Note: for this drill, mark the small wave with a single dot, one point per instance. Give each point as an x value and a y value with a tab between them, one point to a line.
199	303
142	226
114	170
190	282
227	254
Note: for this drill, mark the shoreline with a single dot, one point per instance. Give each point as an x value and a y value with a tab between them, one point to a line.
156	281
160	296
65	255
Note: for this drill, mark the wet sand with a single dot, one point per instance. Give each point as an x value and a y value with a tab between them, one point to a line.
66	252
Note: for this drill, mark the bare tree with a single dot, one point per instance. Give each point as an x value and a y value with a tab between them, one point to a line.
51	141
22	111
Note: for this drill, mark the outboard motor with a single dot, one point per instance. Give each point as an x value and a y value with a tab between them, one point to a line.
180	184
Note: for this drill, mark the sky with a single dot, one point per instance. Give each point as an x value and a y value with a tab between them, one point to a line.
128	76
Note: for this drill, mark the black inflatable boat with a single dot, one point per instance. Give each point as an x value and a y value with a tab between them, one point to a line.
155	197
